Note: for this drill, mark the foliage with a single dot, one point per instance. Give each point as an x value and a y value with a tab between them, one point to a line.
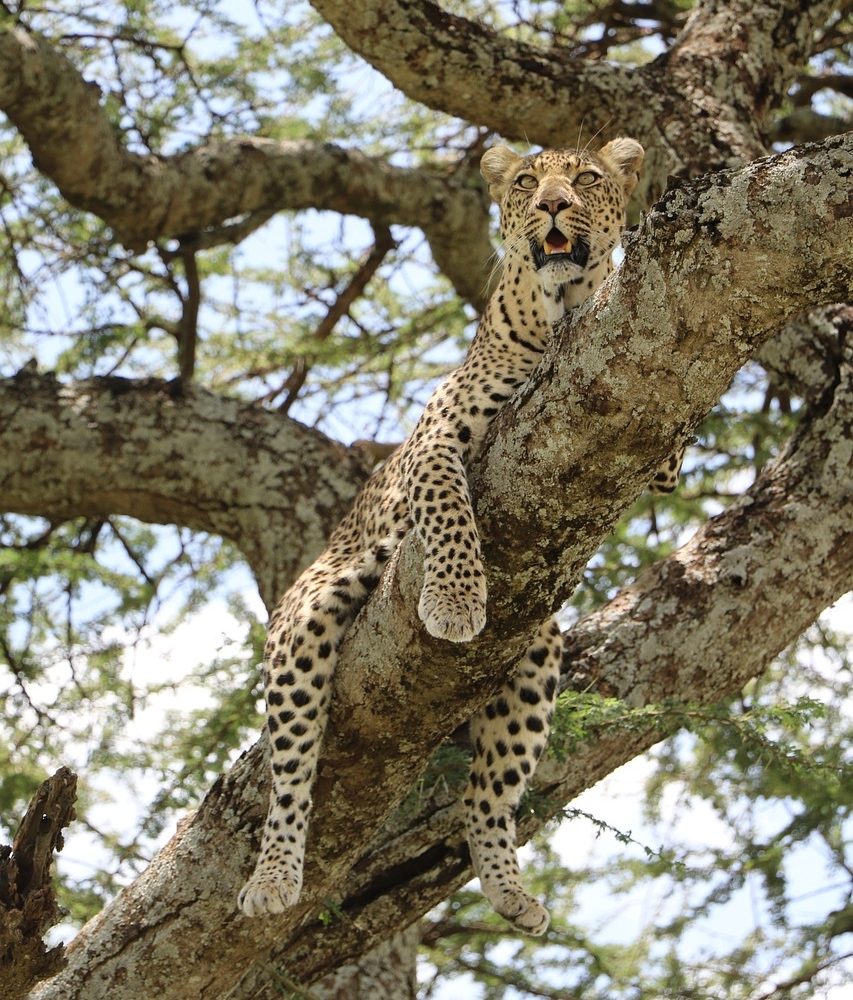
87	607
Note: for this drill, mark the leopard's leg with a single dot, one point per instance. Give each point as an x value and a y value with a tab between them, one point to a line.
452	604
666	478
299	663
509	735
303	637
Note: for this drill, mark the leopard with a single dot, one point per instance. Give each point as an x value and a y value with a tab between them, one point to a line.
562	213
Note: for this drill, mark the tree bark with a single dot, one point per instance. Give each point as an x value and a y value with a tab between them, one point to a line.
466	69
174	455
717	266
386	972
802	357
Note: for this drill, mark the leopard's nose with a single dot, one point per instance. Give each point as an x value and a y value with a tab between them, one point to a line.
552	205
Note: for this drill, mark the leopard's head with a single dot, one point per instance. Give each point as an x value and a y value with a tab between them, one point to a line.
562	211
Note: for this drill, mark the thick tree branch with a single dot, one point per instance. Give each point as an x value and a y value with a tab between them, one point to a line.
745	54
466	69
697	108
715	267
801	358
175	456
388	971
806	125
147	197
740	590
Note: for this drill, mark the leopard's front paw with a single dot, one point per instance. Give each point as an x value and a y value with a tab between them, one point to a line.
450	613
524	912
269	891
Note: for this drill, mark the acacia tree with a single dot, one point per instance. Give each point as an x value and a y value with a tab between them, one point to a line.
197	386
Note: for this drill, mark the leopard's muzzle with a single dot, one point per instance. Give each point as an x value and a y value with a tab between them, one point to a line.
553	251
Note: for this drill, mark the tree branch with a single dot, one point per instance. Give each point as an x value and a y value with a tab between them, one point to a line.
466	69
802	356
806	125
715	267
188	326
388	971
697	108
147	197
383	244
174	455
749	52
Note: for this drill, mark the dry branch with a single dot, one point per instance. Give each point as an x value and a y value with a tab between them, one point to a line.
28	904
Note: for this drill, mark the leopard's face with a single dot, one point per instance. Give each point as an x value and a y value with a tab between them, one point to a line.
562	211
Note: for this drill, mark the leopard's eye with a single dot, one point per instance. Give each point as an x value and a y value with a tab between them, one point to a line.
527	182
587	178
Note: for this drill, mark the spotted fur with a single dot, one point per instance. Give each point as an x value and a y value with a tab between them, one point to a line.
562	213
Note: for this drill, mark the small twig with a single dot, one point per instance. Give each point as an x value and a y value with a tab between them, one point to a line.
188	330
806	976
18	672
383	244
231	232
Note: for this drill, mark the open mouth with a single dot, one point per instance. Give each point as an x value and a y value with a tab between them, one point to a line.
556	248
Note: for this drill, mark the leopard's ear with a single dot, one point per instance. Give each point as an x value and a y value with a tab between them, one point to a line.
625	157
497	165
